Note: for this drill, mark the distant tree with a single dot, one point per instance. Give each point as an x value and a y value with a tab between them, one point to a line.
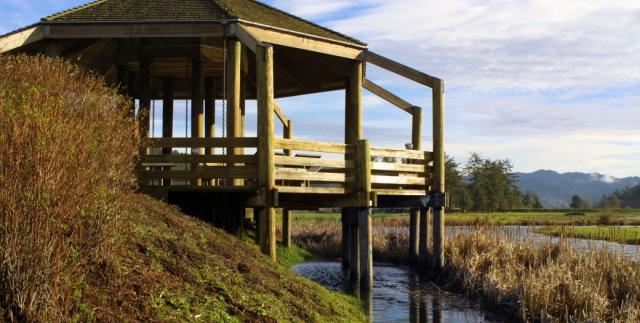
578	202
458	196
492	184
531	201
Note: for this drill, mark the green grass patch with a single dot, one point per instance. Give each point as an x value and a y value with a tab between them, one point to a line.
627	235
292	255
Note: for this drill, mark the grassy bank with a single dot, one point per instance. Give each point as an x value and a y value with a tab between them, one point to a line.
78	244
522	282
628	235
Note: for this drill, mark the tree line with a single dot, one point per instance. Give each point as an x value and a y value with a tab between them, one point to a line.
629	197
485	185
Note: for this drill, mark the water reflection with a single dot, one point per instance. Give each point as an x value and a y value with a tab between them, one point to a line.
399	295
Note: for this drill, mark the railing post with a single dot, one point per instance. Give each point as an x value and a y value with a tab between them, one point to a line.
363	173
266	166
438	190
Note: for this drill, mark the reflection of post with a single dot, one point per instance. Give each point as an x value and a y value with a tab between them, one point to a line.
436	310
366	296
415	296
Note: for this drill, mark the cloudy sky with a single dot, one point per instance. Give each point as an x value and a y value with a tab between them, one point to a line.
548	84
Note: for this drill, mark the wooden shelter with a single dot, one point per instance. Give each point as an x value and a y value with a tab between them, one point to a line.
201	51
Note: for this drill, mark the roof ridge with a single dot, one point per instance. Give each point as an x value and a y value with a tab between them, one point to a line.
72	10
307	21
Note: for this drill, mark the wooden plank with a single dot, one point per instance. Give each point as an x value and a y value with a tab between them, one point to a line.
203	142
311	190
388	96
409	168
21	38
266	34
186	159
398	180
208	172
133	30
312	162
401	69
315	146
398	192
399	153
303	175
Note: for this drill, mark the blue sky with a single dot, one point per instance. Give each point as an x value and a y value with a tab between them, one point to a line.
548	84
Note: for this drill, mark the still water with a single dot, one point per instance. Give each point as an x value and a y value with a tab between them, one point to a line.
399	295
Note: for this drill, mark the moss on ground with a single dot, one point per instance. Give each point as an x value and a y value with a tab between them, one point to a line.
171	267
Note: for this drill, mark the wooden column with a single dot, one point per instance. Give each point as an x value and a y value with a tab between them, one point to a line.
353	115
197	109
366	248
145	96
286	228
234	113
424	237
354	246
439	171
414	220
266	166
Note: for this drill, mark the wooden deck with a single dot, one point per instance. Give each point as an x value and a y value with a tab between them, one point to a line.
301	168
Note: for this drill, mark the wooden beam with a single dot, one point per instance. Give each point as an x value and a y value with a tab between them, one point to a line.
133	30
21	38
245	37
283	118
204	142
388	96
400	69
264	34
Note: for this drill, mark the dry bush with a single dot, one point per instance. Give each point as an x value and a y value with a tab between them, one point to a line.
67	150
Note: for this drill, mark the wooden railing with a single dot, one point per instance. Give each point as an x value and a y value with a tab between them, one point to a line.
400	172
202	166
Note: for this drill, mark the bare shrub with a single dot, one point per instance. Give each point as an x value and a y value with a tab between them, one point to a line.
67	150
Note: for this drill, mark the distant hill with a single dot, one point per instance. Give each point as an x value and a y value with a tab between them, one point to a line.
555	189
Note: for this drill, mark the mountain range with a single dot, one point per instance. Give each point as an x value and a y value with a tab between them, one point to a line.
556	189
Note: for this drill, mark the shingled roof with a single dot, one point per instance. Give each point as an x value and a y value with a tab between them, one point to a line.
192	10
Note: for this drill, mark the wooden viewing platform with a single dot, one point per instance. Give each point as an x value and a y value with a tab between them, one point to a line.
234	51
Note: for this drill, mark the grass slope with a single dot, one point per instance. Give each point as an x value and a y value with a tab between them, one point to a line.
171	267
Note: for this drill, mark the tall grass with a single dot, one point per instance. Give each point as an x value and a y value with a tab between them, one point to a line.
519	280
67	150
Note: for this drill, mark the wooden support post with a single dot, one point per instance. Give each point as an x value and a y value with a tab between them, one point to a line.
286	227
414	235
234	113
131	91
415	225
145	96
363	173
167	117
354	246
268	231
266	166
439	171
353	116
346	239
197	108
210	111
52	48
424	237
366	248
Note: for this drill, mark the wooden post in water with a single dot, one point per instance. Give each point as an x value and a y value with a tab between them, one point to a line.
266	166
363	178
414	220
234	113
424	220
438	178
346	239
197	109
354	246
